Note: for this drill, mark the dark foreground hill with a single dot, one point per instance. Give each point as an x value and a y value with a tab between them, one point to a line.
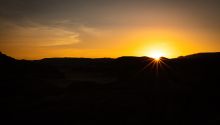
126	90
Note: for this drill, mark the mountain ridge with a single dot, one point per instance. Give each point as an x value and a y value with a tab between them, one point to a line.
196	55
172	91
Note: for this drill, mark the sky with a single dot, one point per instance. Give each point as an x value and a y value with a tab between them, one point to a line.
35	29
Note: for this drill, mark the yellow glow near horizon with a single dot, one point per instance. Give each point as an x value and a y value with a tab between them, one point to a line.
169	43
157	49
156	54
171	28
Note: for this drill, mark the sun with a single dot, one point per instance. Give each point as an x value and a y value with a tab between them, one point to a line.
156	54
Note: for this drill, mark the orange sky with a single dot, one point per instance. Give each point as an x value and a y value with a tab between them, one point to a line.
36	29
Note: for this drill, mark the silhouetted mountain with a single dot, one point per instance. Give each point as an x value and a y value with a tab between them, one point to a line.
136	90
4	58
204	55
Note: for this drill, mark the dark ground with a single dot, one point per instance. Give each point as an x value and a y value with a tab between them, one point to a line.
126	90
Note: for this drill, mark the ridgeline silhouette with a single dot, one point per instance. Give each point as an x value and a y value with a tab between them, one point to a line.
126	90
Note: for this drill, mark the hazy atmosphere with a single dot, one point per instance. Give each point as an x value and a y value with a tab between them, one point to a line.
107	62
35	29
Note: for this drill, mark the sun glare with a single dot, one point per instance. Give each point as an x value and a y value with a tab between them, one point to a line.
156	54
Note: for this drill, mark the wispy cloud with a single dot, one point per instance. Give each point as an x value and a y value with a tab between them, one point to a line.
89	30
39	35
59	33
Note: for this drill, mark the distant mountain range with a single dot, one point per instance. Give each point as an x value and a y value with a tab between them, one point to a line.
4	57
182	90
